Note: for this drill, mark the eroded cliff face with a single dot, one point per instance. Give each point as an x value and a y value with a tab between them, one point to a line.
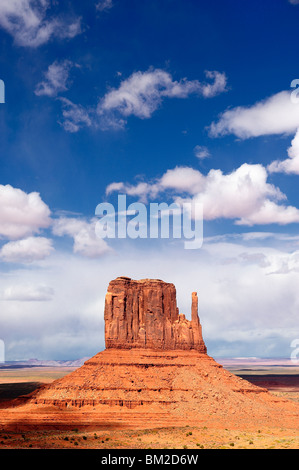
144	314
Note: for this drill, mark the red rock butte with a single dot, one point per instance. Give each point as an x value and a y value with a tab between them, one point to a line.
144	314
155	371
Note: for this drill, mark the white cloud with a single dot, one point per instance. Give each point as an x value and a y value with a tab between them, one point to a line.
75	116
143	92
27	250
291	164
27	293
139	95
294	2
278	114
243	195
209	90
26	21
270	213
182	179
274	115
141	190
201	152
104	5
86	243
21	214
56	79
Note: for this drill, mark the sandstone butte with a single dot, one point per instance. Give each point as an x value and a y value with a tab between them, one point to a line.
155	371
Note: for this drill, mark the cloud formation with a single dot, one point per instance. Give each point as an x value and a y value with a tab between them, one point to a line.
243	195
26	250
21	214
291	164
86	243
27	293
277	114
201	152
104	5
26	21
56	79
140	95
143	92
24	215
71	325
75	116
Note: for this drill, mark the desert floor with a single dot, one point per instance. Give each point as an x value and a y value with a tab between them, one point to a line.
281	381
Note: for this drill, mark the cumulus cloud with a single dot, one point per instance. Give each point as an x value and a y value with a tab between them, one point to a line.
26	21
27	250
56	79
274	115
86	243
21	214
243	195
182	179
290	164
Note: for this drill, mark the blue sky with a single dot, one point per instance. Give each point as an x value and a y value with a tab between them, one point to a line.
163	101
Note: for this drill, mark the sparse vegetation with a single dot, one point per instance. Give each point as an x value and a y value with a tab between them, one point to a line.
171	438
